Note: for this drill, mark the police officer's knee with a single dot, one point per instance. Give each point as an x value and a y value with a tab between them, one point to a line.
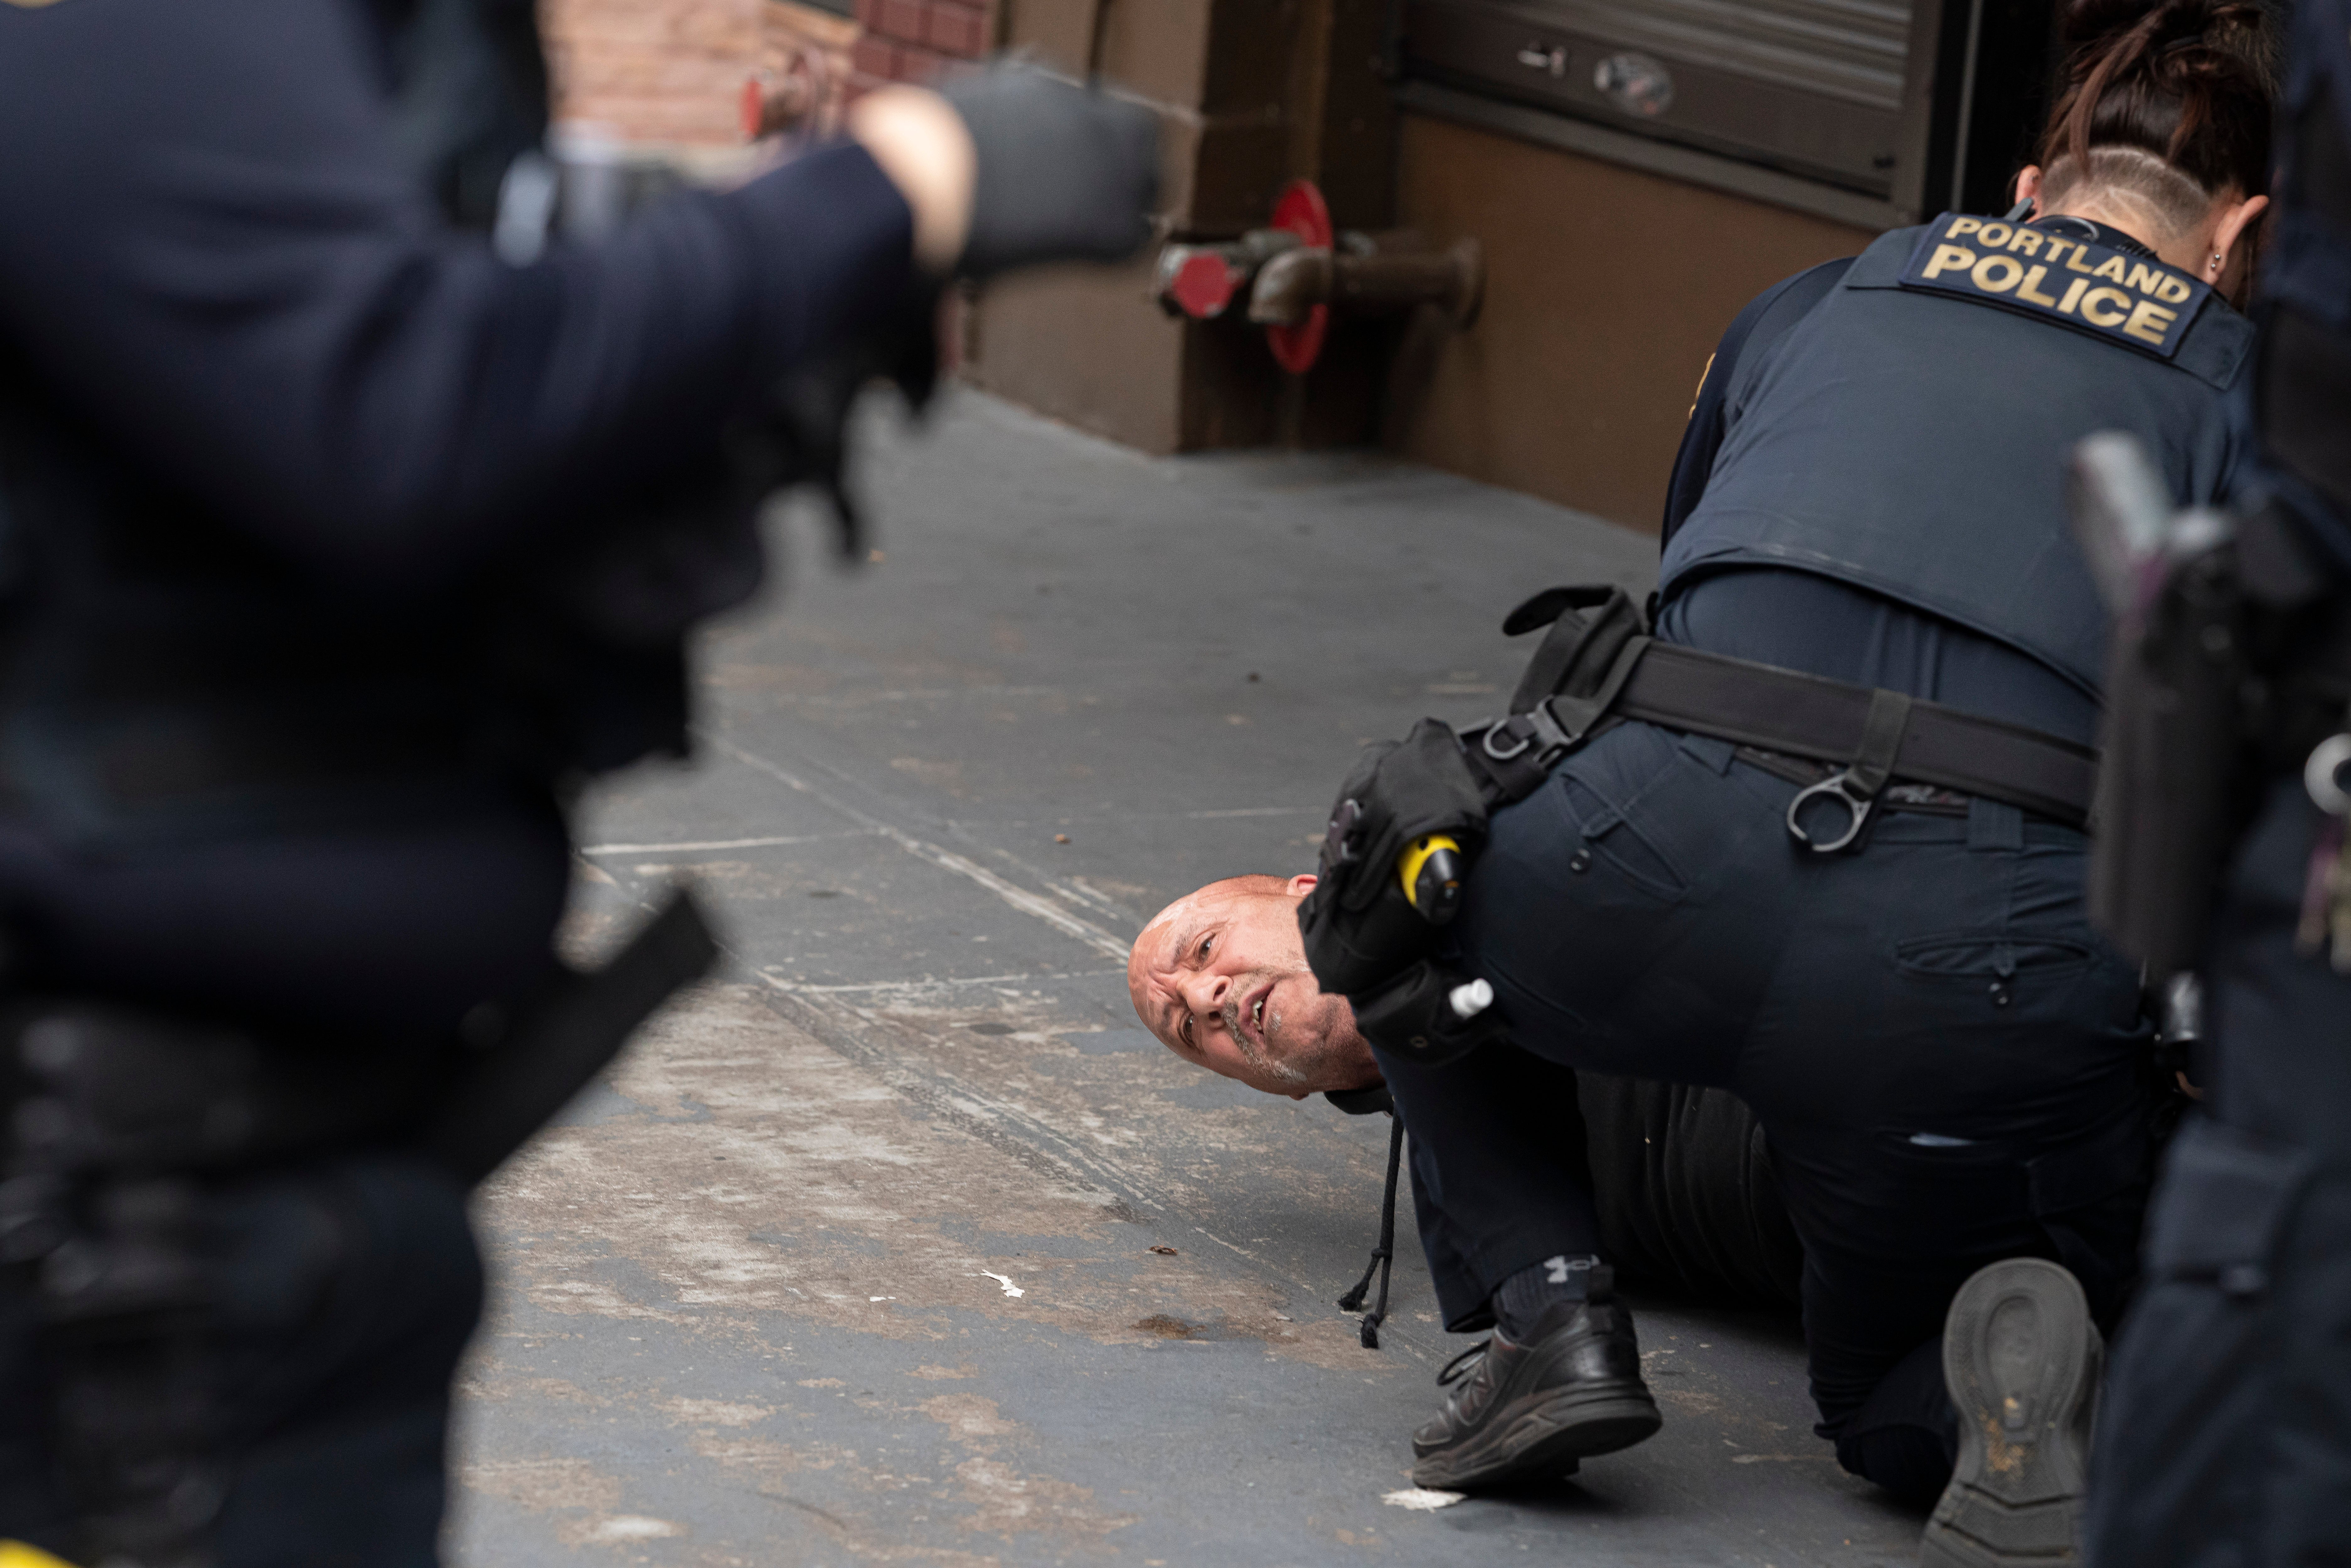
1905	1434
1910	1462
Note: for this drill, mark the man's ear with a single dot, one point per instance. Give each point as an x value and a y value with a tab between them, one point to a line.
2028	183
1302	884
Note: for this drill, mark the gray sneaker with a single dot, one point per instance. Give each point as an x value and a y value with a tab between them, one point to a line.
2021	1359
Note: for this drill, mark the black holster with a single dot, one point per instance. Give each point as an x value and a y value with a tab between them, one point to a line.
2236	669
1364	938
124	1130
2171	787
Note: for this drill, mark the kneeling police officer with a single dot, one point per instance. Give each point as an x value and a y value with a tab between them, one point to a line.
336	550
1818	837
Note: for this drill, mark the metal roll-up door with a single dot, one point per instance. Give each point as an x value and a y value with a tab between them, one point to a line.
1832	91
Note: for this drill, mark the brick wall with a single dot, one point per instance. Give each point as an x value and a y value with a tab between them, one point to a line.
914	41
671	71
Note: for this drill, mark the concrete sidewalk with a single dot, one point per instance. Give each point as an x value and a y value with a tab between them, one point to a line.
902	1241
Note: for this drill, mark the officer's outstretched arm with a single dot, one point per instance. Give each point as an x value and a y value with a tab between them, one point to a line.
1010	168
209	236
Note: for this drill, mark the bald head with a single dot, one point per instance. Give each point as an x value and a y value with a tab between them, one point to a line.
1220	977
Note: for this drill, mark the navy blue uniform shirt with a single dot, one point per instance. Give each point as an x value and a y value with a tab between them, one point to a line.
210	241
1870	486
219	270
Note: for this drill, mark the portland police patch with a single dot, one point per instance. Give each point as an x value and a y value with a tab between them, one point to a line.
2133	300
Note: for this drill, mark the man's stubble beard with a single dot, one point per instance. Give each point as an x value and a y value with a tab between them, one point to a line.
1301	1071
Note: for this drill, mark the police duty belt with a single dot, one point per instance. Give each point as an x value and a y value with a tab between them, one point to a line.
1596	666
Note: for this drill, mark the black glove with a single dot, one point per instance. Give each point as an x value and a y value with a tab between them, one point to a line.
1064	175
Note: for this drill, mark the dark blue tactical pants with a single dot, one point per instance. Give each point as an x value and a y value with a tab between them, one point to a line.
1948	1066
346	1295
2225	1438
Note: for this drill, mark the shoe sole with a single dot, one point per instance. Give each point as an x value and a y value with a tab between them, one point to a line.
1544	1438
2020	1357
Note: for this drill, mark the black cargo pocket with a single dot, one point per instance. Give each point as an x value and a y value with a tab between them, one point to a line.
1610	841
1997	963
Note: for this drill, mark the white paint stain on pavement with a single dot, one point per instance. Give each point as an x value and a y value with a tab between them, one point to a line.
1422	1500
1005	1280
632	1527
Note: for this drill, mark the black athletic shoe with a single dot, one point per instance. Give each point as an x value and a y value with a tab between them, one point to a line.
2021	1359
1525	1413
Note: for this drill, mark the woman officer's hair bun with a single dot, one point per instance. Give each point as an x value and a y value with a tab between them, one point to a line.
2169	101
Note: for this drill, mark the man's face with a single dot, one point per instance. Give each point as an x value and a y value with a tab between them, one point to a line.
1220	977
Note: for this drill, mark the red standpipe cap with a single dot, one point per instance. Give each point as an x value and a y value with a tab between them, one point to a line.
1204	284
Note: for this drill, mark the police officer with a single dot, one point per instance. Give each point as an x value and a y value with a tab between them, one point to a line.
2226	1434
1821	842
336	550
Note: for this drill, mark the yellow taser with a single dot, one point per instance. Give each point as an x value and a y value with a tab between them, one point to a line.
1431	870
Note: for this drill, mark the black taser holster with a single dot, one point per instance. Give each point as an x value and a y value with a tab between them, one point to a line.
1364	938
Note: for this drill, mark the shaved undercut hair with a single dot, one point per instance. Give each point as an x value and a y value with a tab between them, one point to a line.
2170	200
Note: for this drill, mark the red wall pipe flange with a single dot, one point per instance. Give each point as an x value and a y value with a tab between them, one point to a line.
1303	212
1296	272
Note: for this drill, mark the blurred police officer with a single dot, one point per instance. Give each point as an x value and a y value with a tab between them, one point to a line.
1822	842
335	552
2226	1433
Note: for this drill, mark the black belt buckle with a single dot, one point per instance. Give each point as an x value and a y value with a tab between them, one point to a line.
1847	791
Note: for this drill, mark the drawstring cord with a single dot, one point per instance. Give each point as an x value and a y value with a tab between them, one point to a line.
1384	1255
